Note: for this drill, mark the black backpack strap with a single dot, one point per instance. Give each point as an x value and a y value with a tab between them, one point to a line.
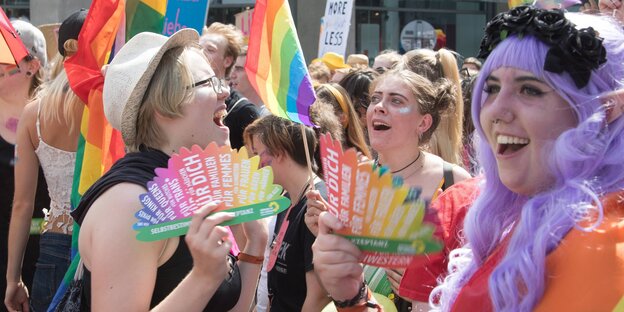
448	175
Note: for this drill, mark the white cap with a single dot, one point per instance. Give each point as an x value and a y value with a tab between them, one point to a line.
32	38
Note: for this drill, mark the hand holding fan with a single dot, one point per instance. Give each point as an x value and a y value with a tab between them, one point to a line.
198	176
382	217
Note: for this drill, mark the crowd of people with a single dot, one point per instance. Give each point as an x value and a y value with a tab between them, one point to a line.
518	150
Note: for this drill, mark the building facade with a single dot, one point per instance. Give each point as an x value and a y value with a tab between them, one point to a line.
375	24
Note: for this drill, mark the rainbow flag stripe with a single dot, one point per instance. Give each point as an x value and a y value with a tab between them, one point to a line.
145	15
99	145
275	64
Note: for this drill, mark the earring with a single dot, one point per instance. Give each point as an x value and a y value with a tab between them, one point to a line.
28	73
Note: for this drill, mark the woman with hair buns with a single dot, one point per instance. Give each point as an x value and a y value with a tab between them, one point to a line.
162	94
446	140
405	110
22	182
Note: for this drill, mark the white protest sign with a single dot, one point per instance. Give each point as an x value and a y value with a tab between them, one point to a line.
335	27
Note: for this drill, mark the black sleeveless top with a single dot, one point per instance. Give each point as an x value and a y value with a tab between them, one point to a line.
7	190
138	168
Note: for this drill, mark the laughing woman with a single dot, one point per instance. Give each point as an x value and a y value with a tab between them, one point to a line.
163	95
546	231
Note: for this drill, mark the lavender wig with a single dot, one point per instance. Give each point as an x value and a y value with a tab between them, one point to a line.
585	161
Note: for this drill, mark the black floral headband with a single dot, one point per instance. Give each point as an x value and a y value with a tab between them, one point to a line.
577	52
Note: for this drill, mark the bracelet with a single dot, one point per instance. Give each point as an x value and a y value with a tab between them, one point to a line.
249	258
356	304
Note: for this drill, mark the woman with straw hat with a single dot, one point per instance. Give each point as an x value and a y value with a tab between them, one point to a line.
162	94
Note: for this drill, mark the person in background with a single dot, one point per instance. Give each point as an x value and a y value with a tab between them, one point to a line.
357	84
353	135
47	137
240	82
292	282
358	61
386	60
404	112
470	67
339	74
446	141
319	72
163	95
222	45
468	153
18	84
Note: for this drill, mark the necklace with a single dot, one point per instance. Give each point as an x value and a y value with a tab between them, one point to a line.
413	161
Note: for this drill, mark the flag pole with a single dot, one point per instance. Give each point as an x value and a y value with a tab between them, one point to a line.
307	154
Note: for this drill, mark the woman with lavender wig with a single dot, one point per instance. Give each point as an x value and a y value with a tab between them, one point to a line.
546	232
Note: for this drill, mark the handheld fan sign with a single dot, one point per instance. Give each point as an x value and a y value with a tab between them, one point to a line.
382	217
198	176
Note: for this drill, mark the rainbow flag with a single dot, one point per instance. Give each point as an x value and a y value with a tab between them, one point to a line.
99	145
145	15
275	64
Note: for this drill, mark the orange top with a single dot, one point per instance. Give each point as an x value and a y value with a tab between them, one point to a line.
584	273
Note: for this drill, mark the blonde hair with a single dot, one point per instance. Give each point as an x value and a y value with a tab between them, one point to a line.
446	141
166	95
58	101
341	101
55	66
319	72
391	56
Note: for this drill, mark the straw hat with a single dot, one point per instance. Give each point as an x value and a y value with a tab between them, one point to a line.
128	75
334	60
357	60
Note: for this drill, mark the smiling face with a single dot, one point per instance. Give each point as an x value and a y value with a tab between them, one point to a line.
202	120
521	117
393	118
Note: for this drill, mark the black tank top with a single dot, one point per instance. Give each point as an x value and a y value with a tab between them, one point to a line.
138	168
7	190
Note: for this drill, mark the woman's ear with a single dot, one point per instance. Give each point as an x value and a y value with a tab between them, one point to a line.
614	105
32	67
425	123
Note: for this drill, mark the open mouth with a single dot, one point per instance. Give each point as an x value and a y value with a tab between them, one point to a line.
380	126
510	144
219	116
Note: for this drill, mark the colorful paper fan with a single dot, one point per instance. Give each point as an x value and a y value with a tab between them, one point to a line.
382	217
198	176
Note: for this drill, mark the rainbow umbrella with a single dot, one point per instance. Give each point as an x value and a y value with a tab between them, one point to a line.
12	49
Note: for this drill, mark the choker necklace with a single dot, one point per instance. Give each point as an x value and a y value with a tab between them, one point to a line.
413	161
